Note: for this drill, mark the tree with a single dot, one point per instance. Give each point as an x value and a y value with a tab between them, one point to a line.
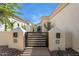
11	26
34	27
24	27
39	29
6	11
18	24
48	26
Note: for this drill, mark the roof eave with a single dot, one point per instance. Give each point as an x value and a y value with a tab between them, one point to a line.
58	9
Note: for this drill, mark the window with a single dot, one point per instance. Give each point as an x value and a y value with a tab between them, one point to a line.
57	41
57	35
15	34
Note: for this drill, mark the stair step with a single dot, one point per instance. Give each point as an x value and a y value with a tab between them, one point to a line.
25	54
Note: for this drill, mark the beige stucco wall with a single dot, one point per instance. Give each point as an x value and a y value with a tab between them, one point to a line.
68	20
4	38
7	39
20	41
68	39
52	40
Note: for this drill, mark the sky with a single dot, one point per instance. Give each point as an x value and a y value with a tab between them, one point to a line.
33	11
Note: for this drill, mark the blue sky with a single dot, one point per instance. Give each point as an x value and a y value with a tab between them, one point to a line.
33	11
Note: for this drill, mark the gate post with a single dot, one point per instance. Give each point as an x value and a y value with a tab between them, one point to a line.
47	39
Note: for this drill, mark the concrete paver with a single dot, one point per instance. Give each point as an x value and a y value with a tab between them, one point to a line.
36	51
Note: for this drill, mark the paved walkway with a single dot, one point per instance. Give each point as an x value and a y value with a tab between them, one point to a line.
36	51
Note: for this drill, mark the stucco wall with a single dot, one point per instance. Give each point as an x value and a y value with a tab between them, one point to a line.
68	39
68	20
20	44
52	40
4	38
7	39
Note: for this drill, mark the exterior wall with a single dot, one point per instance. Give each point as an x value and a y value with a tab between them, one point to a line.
15	25
1	27
20	41
17	22
68	20
4	37
52	40
68	41
44	20
7	39
28	28
58	9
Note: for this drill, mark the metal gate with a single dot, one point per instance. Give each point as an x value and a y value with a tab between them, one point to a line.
36	39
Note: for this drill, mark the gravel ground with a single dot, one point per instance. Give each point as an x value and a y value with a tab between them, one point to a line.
68	52
5	51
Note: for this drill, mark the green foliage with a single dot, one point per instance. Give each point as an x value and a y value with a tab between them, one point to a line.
6	11
6	22
48	26
11	25
24	27
18	24
39	29
34	27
